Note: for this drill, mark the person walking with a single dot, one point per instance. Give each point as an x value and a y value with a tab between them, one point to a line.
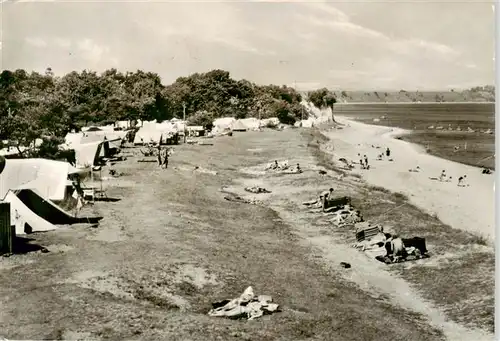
159	156
165	160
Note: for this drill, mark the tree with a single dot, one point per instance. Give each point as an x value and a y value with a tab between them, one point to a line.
323	98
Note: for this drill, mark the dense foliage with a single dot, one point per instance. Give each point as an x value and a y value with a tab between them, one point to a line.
34	105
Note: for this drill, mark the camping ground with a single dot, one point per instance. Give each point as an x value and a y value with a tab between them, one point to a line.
173	245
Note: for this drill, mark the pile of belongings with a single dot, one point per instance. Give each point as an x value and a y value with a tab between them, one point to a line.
148	151
237	198
278	166
248	305
369	237
346	216
348	164
256	189
114	173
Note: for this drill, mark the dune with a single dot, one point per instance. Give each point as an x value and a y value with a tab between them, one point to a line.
467	208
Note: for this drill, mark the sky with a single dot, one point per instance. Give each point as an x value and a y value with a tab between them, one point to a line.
365	45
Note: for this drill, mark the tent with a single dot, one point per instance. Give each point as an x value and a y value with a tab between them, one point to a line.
87	154
21	216
147	135
222	124
49	211
238	126
272	121
48	177
251	123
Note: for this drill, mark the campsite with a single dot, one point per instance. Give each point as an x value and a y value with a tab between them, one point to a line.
180	248
218	171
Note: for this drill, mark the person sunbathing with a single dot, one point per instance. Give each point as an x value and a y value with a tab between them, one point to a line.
415	170
312	202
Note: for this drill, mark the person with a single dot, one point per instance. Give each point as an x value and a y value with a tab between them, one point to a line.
160	161
165	160
366	161
442	176
275	166
330	193
461	180
361	163
388	152
298	170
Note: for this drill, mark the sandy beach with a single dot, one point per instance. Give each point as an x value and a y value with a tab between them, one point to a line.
468	208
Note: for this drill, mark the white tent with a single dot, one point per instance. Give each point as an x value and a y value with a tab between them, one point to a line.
222	124
147	135
20	215
48	177
270	121
251	123
238	125
86	154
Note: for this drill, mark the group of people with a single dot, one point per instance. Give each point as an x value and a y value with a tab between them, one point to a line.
363	161
284	166
461	180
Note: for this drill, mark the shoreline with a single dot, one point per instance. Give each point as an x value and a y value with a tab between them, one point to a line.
450	203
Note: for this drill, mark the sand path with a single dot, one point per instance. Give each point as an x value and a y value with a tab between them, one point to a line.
467	208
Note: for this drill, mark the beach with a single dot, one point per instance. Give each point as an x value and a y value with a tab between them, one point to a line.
438	127
468	208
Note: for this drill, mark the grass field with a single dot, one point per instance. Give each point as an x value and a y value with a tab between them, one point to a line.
418	117
173	245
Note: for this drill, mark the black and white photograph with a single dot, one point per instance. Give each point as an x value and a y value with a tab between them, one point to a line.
247	170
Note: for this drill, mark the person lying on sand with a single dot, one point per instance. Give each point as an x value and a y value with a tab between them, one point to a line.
256	189
313	202
379	157
414	170
486	171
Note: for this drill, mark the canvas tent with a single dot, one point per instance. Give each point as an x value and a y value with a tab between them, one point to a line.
88	154
273	121
251	123
222	124
147	135
21	216
153	132
49	211
48	177
238	126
